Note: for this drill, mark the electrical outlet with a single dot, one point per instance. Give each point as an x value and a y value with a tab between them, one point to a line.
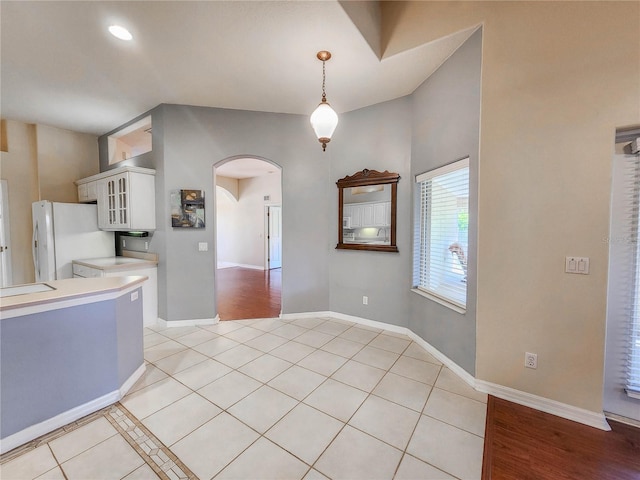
531	360
146	245
124	243
365	300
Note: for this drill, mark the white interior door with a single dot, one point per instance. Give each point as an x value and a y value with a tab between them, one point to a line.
274	236
5	253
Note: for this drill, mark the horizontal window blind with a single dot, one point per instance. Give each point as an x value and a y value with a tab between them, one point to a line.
443	232
632	195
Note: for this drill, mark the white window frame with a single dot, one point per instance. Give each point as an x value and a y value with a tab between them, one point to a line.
420	243
632	310
622	364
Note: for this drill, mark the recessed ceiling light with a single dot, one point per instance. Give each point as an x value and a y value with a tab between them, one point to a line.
120	32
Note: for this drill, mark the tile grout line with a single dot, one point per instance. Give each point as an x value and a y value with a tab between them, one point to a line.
263	435
327	377
160	469
369	394
58	464
50	436
404	453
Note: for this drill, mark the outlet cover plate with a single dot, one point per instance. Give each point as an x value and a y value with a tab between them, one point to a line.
530	360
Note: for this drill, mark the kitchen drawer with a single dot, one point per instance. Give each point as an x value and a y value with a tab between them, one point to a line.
86	272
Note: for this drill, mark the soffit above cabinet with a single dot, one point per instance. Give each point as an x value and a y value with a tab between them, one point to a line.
115	171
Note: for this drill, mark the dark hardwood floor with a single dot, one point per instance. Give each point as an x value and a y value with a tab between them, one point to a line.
246	293
525	444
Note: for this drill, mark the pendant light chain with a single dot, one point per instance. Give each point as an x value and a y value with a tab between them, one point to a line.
324	94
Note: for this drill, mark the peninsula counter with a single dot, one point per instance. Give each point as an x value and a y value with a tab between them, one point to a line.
67	352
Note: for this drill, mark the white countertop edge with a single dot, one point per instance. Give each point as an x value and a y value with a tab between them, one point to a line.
70	293
131	265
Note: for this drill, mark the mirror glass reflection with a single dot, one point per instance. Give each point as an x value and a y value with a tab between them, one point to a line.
366	215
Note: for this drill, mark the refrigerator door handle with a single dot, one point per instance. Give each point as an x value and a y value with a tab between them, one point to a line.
34	250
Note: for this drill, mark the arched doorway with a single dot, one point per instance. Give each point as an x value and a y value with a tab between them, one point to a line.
248	208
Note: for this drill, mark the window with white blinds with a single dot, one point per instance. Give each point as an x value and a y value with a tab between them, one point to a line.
442	236
629	241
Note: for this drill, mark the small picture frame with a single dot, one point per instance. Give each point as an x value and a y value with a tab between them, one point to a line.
187	209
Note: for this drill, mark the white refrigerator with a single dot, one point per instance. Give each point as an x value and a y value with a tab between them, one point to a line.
63	232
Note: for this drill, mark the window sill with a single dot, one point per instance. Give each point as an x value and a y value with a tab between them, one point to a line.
632	393
440	300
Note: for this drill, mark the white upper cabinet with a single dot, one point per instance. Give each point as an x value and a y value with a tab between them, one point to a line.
373	214
87	191
125	197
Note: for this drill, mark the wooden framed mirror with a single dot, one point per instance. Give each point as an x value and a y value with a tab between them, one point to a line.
367	203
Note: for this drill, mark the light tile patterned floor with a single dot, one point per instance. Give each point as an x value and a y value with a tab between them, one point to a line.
312	398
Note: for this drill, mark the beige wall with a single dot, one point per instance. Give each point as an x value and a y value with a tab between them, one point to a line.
229	184
241	223
64	156
41	164
20	169
557	79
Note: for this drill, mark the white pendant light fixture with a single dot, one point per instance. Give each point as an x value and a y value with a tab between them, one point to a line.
324	119
120	32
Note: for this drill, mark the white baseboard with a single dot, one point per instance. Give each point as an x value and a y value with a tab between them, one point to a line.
622	419
294	316
223	265
60	420
130	382
570	412
564	410
370	323
446	361
65	418
187	323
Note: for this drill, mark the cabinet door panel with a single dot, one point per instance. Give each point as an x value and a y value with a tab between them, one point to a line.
367	215
92	192
356	215
103	213
126	201
82	192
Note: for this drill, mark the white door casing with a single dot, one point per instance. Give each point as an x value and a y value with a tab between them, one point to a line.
5	236
274	236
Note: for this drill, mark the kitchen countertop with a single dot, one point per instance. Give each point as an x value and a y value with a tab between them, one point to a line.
70	289
120	263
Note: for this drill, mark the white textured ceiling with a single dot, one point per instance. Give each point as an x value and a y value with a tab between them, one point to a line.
60	66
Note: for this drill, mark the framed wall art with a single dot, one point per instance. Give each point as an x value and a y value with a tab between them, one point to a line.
187	209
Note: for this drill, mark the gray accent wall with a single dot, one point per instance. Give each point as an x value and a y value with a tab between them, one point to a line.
194	139
446	127
377	138
129	333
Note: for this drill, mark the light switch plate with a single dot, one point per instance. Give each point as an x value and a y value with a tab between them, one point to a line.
203	247
579	265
